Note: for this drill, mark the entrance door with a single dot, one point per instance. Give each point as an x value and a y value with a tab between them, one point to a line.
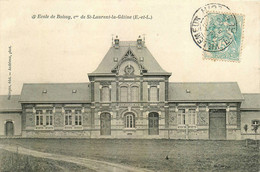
217	124
9	128
105	124
153	123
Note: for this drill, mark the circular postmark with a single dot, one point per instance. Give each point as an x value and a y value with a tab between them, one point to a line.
212	27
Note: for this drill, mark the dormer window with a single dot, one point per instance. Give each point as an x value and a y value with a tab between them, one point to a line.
74	91
187	91
44	91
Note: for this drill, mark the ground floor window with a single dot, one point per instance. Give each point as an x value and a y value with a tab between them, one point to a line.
73	118
43	119
68	117
129	120
186	117
78	117
39	117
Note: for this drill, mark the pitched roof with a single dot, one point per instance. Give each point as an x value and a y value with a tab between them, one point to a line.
252	101
10	104
206	92
55	93
149	62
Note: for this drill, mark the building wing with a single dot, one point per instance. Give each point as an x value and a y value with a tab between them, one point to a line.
205	92
10	103
252	101
56	93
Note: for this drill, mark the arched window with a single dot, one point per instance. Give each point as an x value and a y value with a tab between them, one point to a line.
134	94
123	94
154	94
105	94
129	120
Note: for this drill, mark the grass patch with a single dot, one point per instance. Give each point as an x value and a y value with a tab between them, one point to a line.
13	162
183	155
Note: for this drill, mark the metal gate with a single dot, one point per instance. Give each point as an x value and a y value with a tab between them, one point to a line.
105	124
153	123
217	124
9	128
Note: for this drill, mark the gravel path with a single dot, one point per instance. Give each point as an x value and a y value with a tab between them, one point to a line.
89	163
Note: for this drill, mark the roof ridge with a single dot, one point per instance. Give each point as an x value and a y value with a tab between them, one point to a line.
250	93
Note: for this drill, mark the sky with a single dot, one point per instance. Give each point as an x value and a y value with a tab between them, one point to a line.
47	50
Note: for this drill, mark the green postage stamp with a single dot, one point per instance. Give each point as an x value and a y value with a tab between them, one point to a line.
223	36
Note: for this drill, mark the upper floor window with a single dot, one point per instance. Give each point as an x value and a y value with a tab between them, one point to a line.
123	93
154	94
105	94
134	93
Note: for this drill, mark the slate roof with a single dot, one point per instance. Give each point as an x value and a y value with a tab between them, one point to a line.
108	63
204	92
7	105
252	101
56	93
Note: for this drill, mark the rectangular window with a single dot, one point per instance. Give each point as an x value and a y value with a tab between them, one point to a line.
123	94
68	117
181	117
49	117
154	96
105	94
39	117
78	117
134	93
192	114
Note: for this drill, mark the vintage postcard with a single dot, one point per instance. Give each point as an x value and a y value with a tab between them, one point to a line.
129	85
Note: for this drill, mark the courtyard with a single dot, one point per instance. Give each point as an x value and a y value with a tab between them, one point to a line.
183	155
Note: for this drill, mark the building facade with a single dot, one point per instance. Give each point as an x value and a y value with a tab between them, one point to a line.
129	96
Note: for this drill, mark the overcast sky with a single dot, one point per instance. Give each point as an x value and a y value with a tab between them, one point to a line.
62	51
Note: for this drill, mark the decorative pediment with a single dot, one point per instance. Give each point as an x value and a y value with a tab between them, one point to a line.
129	56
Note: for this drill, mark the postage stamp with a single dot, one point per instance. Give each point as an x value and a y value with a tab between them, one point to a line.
218	32
223	36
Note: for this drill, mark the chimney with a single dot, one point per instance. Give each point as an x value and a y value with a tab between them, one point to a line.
139	42
116	42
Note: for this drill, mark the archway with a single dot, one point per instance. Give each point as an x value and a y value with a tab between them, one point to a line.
9	128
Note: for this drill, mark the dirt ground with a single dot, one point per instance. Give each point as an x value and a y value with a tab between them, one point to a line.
182	155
